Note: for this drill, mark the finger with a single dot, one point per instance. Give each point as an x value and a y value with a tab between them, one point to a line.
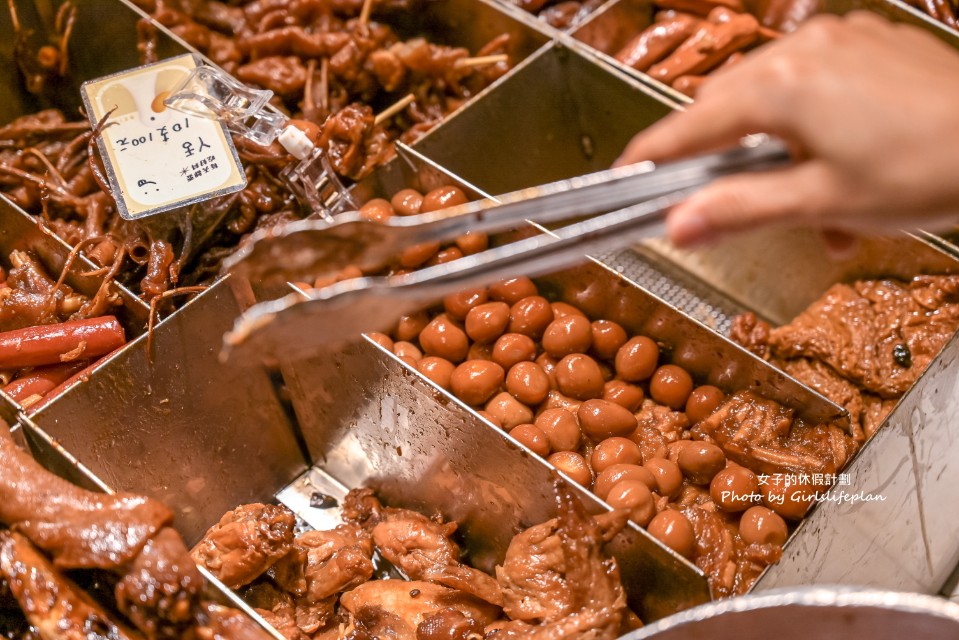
745	201
711	123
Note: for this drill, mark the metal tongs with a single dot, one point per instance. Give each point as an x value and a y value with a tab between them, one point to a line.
293	327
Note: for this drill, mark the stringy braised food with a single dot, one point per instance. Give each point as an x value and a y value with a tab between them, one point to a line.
330	70
331	66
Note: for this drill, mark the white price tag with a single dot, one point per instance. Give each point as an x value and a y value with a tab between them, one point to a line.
158	159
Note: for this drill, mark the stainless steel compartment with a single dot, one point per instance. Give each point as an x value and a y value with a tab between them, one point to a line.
409	169
602	291
167	419
611	27
103	41
467	23
54	458
753	268
815	612
407	437
557	115
775	274
172	422
159	415
96	51
423	448
909	460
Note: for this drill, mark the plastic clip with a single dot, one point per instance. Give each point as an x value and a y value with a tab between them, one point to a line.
315	185
208	92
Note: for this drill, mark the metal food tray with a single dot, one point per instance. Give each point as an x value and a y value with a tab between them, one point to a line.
172	422
908	460
747	274
836	543
610	28
825	613
558	114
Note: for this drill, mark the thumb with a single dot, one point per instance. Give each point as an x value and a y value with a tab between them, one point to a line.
747	201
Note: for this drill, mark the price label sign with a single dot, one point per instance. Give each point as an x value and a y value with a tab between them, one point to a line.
156	158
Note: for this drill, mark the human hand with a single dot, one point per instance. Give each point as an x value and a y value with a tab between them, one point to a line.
871	110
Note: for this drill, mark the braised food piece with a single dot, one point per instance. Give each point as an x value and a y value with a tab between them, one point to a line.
762	435
875	410
397	609
324	563
556	578
77	528
123	533
361	507
751	333
321	565
355	145
658	41
562	15
275	605
30	297
302	594
414	543
223	623
569	13
730	564
880	334
861	345
421	547
449	624
161	588
824	379
283	620
46	168
328	67
245	543
53	604
667	421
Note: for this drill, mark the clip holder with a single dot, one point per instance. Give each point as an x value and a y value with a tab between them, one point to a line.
314	183
209	92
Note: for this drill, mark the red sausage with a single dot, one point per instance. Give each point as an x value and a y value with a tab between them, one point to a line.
657	41
79	376
700	7
56	343
709	46
40	381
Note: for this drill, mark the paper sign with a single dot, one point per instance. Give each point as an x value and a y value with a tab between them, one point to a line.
156	158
